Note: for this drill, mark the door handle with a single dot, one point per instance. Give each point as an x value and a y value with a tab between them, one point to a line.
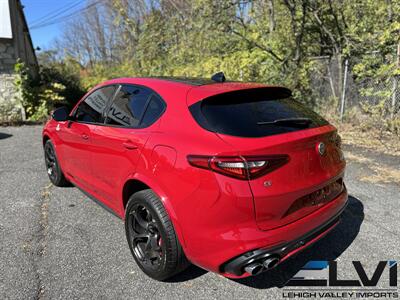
129	145
85	136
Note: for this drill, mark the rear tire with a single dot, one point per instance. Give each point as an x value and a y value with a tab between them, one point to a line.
53	168
152	238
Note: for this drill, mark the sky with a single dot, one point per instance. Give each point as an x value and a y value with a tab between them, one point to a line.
48	11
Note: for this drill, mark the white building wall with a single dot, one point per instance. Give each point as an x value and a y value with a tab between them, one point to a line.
5	20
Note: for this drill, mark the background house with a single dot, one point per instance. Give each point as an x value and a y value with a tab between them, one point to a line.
15	43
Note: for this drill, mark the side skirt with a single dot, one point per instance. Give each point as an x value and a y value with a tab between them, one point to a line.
95	200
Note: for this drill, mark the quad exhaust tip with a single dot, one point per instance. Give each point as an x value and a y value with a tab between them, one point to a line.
257	267
270	263
254	268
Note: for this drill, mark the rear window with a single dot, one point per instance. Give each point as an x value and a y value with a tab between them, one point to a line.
254	113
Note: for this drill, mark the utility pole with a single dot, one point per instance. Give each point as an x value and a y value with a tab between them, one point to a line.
395	82
342	103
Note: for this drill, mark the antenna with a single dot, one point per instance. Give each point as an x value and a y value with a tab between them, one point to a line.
218	77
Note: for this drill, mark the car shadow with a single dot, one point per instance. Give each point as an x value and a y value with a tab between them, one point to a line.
4	135
328	248
190	273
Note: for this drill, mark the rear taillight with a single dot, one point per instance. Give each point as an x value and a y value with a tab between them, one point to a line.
241	167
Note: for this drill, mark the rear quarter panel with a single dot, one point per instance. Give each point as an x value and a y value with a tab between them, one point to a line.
203	205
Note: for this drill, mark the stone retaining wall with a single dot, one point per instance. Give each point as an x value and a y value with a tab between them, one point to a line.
7	56
9	108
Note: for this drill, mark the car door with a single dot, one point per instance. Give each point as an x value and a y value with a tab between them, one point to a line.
119	143
76	135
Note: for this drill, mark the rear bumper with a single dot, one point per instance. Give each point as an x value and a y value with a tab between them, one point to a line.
235	267
216	250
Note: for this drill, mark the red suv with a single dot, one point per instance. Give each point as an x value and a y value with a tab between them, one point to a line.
233	177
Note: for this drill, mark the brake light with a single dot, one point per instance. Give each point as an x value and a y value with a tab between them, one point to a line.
241	167
230	166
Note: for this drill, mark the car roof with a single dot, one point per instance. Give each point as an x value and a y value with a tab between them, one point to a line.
196	88
194	81
169	80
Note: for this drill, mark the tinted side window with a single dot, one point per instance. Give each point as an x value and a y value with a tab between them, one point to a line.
128	106
154	110
91	109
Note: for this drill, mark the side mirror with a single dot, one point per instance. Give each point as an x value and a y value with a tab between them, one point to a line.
60	114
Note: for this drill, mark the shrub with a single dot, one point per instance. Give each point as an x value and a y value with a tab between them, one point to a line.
39	96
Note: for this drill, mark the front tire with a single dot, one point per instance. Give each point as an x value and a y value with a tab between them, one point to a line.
53	168
152	238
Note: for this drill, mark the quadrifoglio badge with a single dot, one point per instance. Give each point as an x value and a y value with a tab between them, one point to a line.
321	279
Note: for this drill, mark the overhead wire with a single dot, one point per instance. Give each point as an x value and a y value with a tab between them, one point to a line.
65	17
55	13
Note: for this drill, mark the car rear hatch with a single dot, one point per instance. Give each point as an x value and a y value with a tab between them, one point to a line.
301	149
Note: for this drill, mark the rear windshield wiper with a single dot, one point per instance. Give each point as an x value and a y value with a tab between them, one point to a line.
288	122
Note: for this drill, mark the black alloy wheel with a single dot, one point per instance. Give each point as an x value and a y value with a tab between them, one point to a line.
53	169
51	162
152	238
145	237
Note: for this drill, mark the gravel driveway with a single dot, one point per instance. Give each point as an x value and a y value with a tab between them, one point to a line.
56	243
